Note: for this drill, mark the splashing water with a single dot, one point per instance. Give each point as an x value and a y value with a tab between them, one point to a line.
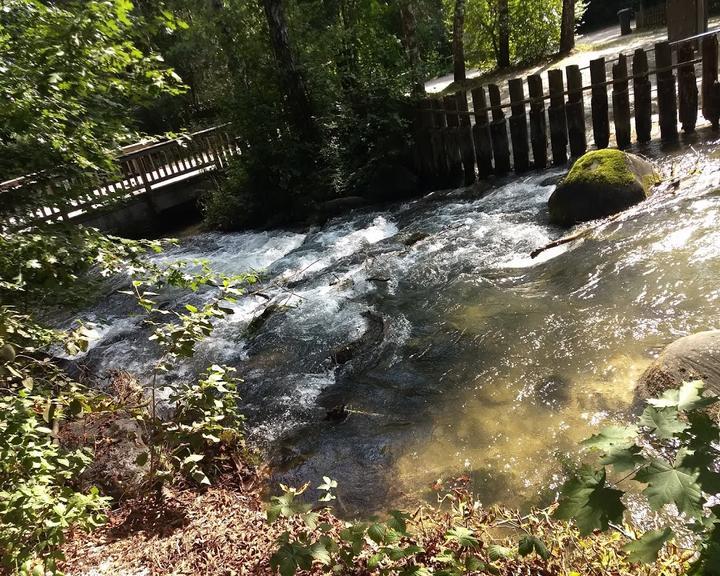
486	362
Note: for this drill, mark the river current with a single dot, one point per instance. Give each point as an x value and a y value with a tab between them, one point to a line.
477	360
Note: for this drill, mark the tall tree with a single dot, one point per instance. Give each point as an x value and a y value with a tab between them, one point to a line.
459	42
297	99
503	49
567	29
409	26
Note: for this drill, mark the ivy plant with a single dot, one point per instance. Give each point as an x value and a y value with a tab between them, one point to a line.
672	453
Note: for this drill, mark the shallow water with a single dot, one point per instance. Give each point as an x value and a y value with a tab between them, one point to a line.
490	364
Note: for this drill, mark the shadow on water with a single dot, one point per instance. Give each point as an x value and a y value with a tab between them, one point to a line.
487	363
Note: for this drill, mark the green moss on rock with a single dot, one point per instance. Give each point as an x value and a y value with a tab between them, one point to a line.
601	183
608	167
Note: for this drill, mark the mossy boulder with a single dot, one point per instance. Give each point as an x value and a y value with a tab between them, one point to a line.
695	357
601	183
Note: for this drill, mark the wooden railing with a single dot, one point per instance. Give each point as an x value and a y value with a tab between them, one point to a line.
47	198
458	143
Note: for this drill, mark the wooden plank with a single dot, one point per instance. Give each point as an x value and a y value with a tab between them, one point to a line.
424	124
687	88
599	103
666	90
519	126
710	86
556	115
575	112
498	132
481	134
467	150
538	124
621	103
452	142
438	141
642	90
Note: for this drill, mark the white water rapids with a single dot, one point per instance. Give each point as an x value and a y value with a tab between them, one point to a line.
488	363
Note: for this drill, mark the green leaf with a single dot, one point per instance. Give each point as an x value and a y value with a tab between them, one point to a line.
497	552
687	397
587	500
624	460
381	534
529	544
662	422
647	548
141	459
618	444
463	536
612	437
669	485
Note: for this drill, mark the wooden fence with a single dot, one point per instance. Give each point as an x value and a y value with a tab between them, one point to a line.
469	136
55	198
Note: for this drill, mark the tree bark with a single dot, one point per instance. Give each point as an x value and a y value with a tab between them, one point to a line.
567	30
409	26
459	42
503	34
297	99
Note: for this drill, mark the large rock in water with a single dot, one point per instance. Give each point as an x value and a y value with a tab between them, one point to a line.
695	357
601	183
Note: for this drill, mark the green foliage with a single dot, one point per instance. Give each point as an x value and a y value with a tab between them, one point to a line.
38	503
672	452
71	71
44	266
534	29
205	419
386	547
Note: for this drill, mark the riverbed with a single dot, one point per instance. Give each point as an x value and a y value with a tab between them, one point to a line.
480	361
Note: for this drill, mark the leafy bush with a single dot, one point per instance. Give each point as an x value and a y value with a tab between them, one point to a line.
38	503
673	452
461	541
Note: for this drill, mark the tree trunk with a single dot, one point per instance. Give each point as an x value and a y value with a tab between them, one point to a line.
567	30
459	42
297	99
503	34
346	59
409	26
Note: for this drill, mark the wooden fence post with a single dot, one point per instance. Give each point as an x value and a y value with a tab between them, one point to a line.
575	112
687	87
438	144
667	99
599	103
538	125
467	150
643	92
423	127
481	134
452	142
498	132
558	122
621	103
518	126
710	86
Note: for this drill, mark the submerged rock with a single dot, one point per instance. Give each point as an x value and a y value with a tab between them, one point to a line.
370	340
695	357
601	183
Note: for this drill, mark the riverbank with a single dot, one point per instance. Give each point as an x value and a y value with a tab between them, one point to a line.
223	531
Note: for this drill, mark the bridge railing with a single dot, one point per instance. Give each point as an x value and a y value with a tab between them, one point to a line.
54	198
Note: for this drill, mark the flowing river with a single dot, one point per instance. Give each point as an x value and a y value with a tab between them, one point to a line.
467	357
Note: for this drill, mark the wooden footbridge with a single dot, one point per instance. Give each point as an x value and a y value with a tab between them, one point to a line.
462	138
144	172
